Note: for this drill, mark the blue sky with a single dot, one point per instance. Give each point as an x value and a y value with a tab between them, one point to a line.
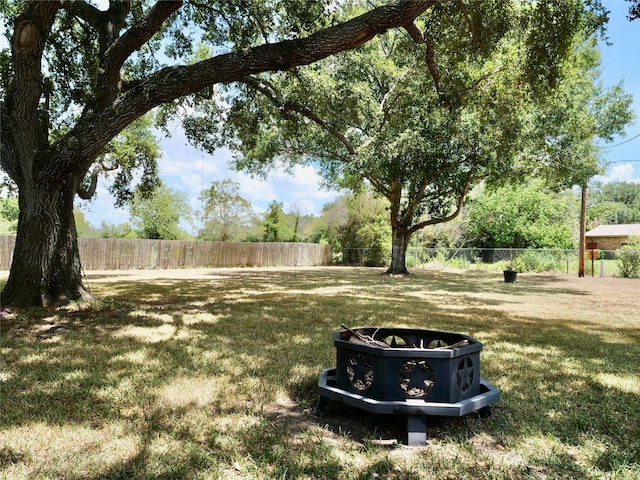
185	168
621	61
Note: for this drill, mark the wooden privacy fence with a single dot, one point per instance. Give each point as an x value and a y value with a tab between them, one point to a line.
129	254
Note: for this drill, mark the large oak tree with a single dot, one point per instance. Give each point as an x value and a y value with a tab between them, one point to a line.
74	76
499	90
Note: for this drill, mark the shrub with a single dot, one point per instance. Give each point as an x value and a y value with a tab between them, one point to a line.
629	258
540	261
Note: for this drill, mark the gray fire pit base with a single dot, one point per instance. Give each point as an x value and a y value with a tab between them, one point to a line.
415	410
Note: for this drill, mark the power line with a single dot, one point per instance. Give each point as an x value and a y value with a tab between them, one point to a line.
622	143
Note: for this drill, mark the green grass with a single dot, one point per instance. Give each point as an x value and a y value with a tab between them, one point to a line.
186	378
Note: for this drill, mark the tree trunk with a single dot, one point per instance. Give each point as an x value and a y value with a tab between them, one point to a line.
399	246
46	266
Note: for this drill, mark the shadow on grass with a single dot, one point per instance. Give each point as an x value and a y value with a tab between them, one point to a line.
175	378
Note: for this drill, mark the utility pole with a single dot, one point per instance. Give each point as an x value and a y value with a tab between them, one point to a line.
583	228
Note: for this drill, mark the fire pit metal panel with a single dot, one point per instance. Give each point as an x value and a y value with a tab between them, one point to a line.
405	371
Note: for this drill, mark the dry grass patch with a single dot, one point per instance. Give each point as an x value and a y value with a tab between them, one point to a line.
213	374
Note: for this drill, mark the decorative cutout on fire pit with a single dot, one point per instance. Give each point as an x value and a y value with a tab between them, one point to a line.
360	372
438	343
416	378
395	341
465	374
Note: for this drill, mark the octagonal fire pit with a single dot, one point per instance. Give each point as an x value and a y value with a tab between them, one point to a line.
408	372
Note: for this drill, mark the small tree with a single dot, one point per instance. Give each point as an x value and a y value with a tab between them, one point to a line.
366	234
226	215
158	215
629	258
275	227
527	216
357	226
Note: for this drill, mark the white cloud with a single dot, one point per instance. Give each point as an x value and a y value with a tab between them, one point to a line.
183	167
193	184
303	185
619	173
622	173
256	190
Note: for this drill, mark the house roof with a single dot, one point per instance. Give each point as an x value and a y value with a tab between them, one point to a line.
614	230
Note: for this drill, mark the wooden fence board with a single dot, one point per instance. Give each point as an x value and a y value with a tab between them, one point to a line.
132	254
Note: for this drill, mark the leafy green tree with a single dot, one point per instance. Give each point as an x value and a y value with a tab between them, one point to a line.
615	203
83	227
275	227
8	215
357	226
302	224
226	215
365	236
422	124
159	215
325	226
133	151
122	230
445	235
74	77
525	216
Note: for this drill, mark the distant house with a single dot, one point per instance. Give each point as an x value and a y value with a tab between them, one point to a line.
612	237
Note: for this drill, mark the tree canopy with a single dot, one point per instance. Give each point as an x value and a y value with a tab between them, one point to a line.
484	98
634	10
614	203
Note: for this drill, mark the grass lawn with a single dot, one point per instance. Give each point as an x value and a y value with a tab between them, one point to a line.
205	374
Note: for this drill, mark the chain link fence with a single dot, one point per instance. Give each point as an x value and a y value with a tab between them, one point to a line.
603	263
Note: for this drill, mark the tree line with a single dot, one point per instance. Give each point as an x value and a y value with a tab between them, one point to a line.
525	216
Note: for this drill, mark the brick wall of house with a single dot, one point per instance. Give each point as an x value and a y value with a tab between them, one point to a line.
608	243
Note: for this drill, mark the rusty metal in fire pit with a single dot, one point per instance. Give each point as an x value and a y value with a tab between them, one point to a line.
416	378
360	372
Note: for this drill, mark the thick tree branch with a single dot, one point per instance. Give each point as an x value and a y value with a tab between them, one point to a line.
174	82
430	57
86	12
462	195
385	106
27	45
415	33
419	194
88	193
286	54
136	36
